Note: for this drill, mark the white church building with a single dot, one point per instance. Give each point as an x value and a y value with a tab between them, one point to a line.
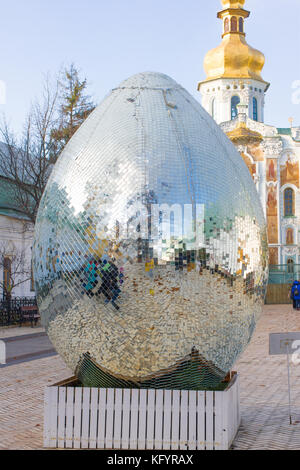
233	92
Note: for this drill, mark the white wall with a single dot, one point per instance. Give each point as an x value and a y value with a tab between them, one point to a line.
223	89
16	236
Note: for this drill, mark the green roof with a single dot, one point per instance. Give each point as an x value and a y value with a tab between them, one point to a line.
284	130
8	203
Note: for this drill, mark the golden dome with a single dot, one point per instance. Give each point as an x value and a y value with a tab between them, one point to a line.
233	58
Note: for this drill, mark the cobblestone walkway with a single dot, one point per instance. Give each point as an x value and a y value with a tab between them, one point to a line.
264	398
21	401
264	389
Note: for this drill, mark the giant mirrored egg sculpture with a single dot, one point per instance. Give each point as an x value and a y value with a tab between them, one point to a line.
150	253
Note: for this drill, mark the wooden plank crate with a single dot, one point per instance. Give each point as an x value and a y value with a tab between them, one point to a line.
90	418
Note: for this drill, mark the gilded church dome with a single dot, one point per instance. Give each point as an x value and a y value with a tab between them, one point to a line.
233	58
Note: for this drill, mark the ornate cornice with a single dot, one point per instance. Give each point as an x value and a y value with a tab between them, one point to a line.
291	221
292	250
272	147
242	135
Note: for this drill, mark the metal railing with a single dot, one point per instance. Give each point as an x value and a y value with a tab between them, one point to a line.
284	273
10	309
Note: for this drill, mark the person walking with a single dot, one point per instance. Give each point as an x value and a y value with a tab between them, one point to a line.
89	277
110	282
295	294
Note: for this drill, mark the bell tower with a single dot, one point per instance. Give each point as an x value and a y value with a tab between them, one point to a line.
233	70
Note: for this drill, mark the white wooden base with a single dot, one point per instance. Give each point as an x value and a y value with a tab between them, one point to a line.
79	417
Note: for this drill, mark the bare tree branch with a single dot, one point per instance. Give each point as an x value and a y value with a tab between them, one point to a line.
16	268
26	162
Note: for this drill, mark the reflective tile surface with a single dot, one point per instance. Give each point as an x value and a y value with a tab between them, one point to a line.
150	252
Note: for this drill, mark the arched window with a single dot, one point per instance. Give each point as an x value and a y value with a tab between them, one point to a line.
226	25
290	265
234	24
288	202
289	239
241	25
213	108
235	100
255	115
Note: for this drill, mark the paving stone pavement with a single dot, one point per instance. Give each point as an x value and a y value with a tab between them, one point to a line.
21	401
264	387
263	378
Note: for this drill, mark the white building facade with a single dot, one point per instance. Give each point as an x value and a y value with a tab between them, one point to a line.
16	239
234	94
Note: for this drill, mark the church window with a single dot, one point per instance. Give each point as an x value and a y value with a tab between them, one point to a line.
235	100
241	25
234	24
255	115
6	275
226	25
289	236
288	202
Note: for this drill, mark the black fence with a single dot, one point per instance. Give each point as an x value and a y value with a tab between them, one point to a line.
10	310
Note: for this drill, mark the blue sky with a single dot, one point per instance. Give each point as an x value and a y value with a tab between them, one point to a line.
109	40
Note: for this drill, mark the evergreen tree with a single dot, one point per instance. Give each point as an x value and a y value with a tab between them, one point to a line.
74	107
